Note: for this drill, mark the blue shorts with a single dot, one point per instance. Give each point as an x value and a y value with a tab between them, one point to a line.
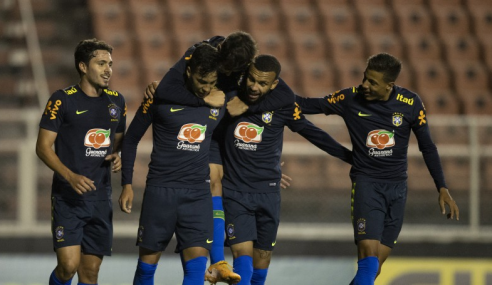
251	217
378	209
186	212
85	223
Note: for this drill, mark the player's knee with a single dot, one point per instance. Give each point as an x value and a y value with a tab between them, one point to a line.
89	273
261	258
66	270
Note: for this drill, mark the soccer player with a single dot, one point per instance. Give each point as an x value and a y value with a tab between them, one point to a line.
177	197
86	123
380	116
236	51
253	147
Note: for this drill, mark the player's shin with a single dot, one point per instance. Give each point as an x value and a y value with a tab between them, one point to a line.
217	252
194	271
144	275
366	271
243	265
259	276
55	281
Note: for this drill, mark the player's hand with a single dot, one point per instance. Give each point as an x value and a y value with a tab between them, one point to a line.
285	181
115	158
236	107
150	90
80	183
215	99
126	198
446	199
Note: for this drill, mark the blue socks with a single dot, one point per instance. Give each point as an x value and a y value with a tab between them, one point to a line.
144	275
217	252
243	266
366	271
54	280
259	276
194	271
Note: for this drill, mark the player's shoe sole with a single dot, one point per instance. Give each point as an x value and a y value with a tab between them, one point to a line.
221	272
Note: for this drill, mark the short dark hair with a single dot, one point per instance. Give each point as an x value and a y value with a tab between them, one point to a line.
85	51
204	59
237	51
385	63
267	63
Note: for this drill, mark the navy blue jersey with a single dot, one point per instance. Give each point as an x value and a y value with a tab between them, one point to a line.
253	146
181	142
380	131
85	128
173	90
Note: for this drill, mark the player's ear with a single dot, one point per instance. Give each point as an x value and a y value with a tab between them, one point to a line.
274	84
188	72
390	85
82	67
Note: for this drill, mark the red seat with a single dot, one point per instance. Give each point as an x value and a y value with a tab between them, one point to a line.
157	46
481	15
452	19
337	19
471	75
261	16
317	77
308	46
123	46
425	47
476	102
347	47
109	18
461	48
149	18
223	17
300	16
290	75
440	102
389	43
376	20
273	43
186	16
412	18
350	73
431	75
457	173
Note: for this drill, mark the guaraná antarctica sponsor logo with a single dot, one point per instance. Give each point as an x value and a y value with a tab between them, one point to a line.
247	136
378	140
190	136
97	138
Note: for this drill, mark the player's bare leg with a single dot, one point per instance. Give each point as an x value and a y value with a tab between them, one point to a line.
68	262
88	270
383	254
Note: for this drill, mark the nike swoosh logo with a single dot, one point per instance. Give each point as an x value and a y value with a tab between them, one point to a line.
175	110
274	243
80	112
364	115
209	241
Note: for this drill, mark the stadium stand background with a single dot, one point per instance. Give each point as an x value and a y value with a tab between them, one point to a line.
445	46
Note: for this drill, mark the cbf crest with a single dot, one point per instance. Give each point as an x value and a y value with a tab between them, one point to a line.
267	117
397	119
214	112
114	111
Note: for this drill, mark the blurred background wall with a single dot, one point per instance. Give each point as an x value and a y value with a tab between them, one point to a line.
445	46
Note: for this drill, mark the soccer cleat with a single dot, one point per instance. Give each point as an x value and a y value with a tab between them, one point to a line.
221	272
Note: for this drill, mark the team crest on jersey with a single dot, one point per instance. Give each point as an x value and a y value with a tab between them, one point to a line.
230	231
59	233
97	138
378	140
397	119
267	117
361	226
114	111
214	112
